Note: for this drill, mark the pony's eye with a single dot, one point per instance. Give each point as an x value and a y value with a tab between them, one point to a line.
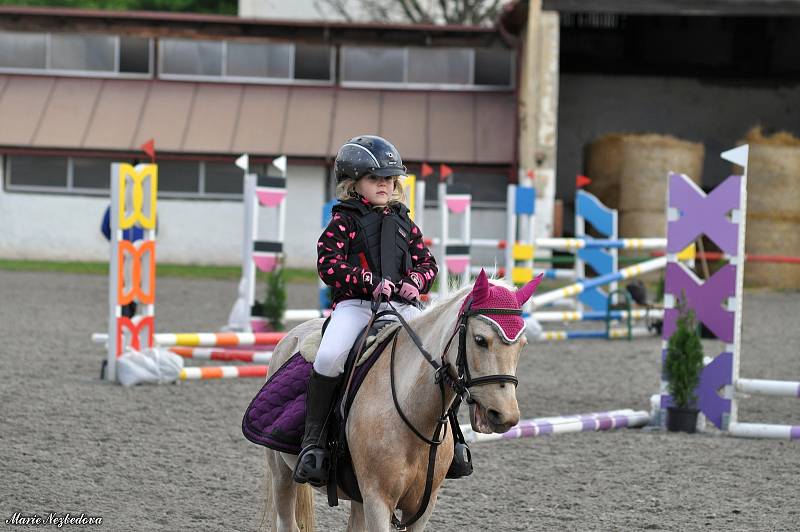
481	341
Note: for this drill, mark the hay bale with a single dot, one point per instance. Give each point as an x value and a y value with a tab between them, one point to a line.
774	178
604	160
772	236
646	161
643	224
773	208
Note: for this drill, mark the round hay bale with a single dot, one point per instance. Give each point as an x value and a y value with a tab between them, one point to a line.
604	160
770	235
646	161
643	224
773	178
773	207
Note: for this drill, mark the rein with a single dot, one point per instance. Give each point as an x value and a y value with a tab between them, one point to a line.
460	384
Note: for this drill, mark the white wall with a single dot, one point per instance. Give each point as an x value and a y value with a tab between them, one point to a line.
286	10
67	227
485	223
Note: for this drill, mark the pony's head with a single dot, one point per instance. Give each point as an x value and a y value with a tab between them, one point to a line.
493	341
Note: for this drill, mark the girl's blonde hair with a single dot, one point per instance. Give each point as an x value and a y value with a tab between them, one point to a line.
347	190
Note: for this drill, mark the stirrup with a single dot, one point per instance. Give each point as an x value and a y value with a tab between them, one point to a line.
313	465
461	466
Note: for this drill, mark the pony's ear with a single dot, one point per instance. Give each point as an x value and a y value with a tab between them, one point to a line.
480	291
524	293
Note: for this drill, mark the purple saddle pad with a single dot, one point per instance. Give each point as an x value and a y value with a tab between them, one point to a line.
276	415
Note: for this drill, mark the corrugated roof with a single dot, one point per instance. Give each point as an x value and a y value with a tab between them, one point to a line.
214	118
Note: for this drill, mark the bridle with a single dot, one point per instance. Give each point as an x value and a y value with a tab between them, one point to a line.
459	379
464	381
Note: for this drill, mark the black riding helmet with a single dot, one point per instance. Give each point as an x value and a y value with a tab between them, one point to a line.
367	154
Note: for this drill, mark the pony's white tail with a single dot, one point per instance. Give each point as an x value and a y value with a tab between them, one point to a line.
304	508
303	505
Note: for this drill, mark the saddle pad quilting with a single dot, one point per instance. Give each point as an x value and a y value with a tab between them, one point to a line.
276	415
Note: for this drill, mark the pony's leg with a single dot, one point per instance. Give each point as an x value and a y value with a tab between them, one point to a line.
377	513
422	522
284	491
356	521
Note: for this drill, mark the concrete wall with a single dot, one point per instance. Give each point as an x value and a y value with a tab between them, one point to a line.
715	113
67	227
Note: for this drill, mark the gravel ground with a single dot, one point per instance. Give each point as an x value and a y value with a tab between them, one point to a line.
172	457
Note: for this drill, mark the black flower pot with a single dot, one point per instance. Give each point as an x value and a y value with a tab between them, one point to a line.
681	419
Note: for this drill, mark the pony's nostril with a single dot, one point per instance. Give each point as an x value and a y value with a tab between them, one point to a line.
495	417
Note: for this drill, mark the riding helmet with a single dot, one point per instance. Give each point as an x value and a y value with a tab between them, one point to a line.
367	154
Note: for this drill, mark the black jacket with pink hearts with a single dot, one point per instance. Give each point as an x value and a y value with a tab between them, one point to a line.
350	275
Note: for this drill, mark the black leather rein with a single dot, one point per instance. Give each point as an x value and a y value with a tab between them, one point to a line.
460	383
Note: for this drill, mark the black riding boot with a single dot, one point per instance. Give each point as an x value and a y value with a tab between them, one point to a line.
313	464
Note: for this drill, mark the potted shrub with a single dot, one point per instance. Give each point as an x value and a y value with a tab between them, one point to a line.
683	365
274	305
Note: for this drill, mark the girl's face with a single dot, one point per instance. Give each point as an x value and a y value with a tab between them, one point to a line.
377	190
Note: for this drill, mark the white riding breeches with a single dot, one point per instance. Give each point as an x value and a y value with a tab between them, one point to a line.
347	320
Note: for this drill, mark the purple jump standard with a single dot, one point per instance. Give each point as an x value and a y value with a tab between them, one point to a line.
721	216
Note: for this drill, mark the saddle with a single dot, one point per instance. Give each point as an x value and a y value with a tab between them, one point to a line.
275	417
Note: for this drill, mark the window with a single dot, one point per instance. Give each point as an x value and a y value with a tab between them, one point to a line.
223	178
92	173
191	57
82	52
245	61
134	55
178	176
30	171
23	50
493	67
312	62
89	54
427	67
269	60
373	64
449	66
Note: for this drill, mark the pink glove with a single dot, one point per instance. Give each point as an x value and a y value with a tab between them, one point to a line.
408	291
384	288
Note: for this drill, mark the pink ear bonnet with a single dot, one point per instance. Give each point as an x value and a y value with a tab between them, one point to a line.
486	295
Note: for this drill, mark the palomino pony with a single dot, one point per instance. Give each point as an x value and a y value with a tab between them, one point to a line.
391	462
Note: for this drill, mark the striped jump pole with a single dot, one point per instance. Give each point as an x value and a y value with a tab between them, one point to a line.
568	244
225	339
305	314
580	286
596	315
593	422
614	333
223	372
223	355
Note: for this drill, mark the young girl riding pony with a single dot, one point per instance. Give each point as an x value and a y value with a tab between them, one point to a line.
371	249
